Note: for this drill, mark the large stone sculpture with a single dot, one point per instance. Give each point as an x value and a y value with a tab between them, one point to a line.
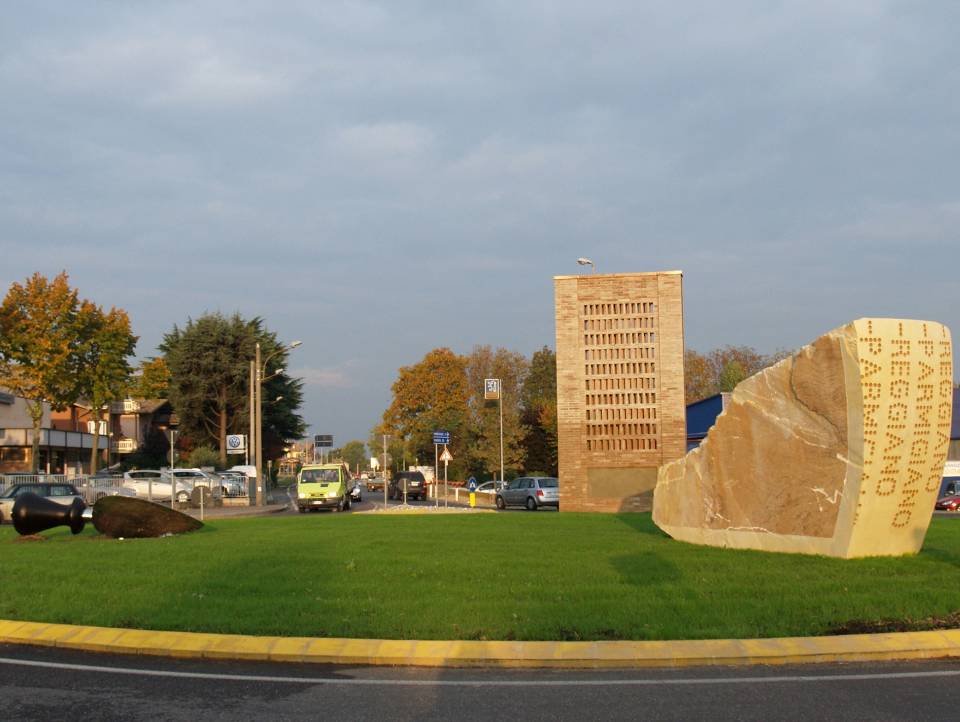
838	450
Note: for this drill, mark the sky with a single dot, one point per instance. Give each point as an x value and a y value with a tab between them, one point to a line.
380	179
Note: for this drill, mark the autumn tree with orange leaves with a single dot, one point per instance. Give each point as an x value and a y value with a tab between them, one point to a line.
55	348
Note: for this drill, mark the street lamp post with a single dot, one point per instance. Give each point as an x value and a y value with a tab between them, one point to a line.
587	262
260	369
384	471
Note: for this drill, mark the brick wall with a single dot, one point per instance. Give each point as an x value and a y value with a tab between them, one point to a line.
620	400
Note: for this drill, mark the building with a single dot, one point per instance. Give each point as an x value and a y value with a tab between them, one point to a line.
620	391
64	447
954	451
702	414
66	437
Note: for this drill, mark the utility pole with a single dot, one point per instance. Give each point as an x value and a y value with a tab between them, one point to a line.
384	471
259	409
173	479
501	431
250	439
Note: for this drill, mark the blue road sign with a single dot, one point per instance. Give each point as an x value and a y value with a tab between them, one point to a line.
472	484
441	437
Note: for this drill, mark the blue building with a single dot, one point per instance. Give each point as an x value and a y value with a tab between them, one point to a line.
702	414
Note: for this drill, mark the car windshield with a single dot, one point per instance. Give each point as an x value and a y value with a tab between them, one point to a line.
549	483
319	476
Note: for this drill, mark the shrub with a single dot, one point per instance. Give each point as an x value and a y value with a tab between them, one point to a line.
203	456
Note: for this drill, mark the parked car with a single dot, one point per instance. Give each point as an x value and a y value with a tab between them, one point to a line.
58	492
531	492
409	483
155	484
323	486
948	503
233	483
949	486
490	487
375	483
194	478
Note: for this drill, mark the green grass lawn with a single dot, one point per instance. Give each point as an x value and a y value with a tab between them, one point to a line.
472	576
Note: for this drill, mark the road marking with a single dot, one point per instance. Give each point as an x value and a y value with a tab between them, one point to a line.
785	679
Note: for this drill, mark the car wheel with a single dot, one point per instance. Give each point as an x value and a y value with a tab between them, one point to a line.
531	504
301	510
501	504
183	497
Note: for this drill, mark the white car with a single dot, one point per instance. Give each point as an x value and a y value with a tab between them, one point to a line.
154	484
490	487
219	487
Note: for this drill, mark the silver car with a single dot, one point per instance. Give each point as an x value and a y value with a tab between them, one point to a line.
531	492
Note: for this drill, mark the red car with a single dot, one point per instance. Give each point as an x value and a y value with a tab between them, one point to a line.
948	503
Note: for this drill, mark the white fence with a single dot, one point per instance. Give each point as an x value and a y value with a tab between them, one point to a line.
95	488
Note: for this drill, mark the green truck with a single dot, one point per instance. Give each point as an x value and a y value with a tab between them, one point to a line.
323	486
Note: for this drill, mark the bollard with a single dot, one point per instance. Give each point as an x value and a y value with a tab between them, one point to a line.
473	499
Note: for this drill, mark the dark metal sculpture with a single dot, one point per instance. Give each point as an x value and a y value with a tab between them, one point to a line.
33	513
114	516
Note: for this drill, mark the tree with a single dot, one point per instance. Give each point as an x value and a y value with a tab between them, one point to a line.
355	454
429	396
41	331
151	380
722	369
484	431
698	381
538	399
209	364
106	346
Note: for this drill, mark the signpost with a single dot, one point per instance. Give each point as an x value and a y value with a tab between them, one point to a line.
493	391
446	457
472	486
237	444
439	438
321	441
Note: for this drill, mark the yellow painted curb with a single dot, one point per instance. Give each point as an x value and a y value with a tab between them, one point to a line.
394	652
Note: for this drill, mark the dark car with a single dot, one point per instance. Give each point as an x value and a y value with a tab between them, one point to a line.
412	483
55	491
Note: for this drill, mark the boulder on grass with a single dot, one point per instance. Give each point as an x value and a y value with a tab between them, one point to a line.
838	450
130	518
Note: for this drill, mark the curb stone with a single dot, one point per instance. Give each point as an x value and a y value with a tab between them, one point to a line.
467	653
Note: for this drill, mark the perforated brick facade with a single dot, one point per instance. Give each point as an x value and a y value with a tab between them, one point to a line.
620	401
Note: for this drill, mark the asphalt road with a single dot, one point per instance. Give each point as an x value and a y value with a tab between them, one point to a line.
372	501
39	684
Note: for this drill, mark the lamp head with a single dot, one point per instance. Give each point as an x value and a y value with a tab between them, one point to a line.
294	344
584	261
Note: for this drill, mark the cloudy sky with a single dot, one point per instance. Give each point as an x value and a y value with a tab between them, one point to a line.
378	179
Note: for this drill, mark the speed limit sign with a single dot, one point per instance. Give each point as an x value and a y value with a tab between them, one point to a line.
236	444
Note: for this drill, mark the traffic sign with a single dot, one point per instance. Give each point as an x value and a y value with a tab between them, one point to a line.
323	440
472	484
491	389
446	456
441	437
236	444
